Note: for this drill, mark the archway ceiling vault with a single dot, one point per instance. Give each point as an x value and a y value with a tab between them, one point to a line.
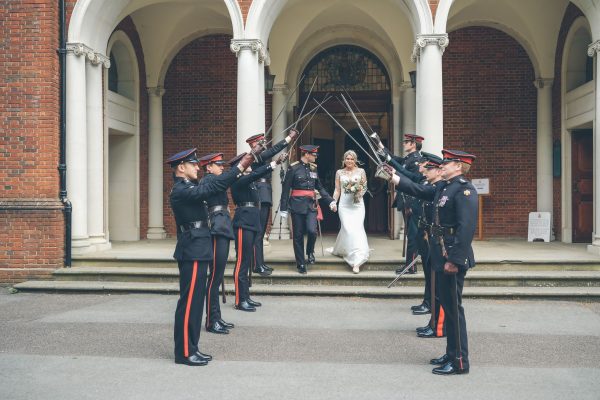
535	24
305	27
164	26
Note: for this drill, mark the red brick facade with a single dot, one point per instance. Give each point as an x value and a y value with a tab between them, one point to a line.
199	104
490	106
29	145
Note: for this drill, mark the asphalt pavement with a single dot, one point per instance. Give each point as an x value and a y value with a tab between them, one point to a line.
71	346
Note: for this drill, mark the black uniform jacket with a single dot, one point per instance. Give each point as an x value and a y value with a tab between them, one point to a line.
455	202
187	201
411	164
220	221
301	176
265	192
245	191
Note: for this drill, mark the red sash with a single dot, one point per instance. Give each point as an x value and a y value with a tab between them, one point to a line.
311	194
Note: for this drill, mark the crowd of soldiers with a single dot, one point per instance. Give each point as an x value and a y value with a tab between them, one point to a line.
438	203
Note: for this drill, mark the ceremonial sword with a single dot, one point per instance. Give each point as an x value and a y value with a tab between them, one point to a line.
404	271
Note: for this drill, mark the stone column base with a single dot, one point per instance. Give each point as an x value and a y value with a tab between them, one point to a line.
156	233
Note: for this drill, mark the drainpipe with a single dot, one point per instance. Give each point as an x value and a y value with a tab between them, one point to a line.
62	166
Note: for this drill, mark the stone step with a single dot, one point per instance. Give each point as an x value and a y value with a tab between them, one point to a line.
565	293
337	264
340	278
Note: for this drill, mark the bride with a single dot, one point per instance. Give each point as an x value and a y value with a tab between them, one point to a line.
350	187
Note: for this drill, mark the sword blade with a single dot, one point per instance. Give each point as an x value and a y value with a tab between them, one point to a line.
284	106
403	272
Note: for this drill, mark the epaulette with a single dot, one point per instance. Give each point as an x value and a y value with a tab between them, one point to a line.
313	166
294	163
463	181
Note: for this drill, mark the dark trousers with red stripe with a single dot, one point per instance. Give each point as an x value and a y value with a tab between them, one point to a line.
446	283
188	314
265	209
304	223
423	246
438	320
244	245
412	247
217	270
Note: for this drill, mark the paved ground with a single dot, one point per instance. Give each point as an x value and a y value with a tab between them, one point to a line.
120	347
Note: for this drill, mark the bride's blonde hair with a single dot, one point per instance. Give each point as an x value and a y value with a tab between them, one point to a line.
353	154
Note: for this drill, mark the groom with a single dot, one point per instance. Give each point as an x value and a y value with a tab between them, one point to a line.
302	180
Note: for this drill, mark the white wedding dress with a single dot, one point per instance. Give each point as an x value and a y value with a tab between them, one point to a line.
351	243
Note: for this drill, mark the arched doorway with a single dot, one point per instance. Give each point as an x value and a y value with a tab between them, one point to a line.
362	78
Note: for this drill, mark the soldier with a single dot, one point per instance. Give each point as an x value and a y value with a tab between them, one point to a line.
437	326
246	224
221	231
192	251
265	194
408	205
454	222
302	180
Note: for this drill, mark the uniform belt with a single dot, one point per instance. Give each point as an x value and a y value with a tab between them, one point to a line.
303	193
249	204
438	230
423	224
216	208
193	225
263	180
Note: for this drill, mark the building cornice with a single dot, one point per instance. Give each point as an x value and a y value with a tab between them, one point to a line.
438	39
594	48
80	49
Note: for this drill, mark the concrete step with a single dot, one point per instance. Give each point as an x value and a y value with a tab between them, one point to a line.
337	264
565	293
325	277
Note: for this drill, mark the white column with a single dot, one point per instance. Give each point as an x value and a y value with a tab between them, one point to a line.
95	150
407	125
248	115
156	228
430	106
544	145
77	156
594	50
280	93
261	96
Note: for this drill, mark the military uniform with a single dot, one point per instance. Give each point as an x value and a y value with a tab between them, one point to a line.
193	254
408	205
298	196
247	225
221	230
454	223
265	199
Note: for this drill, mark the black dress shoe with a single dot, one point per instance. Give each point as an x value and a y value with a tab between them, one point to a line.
203	356
244	306
423	328
194	360
412	308
429	333
254	303
217	327
412	271
422	310
227	325
311	258
439	361
301	269
449	369
265	266
262	271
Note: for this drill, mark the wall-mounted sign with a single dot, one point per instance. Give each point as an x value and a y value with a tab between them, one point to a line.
482	186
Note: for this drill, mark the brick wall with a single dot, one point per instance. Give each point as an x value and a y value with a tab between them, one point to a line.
199	105
490	108
571	14
31	240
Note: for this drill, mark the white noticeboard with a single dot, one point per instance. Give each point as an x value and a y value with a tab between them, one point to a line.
482	186
540	226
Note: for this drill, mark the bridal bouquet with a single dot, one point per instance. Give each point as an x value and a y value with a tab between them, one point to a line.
356	187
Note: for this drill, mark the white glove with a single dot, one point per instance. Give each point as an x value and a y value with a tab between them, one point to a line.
333	206
284	214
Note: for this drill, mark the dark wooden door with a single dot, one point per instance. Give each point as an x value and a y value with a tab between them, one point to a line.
582	185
